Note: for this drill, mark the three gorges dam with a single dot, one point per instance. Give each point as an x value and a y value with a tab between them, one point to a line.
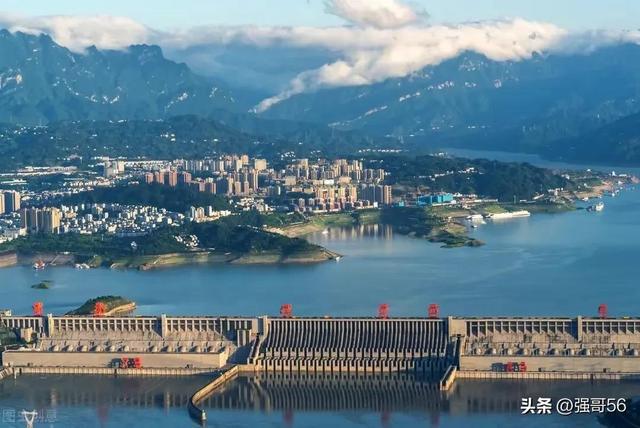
438	348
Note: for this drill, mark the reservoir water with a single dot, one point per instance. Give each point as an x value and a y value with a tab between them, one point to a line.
314	403
561	264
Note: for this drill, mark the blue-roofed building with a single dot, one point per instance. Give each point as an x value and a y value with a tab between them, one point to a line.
434	199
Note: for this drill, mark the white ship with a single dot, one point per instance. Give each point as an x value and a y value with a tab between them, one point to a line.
597	207
475	218
514	214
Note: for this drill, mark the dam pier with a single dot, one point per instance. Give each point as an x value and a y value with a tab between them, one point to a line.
440	349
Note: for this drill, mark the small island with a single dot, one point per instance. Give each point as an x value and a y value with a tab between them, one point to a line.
43	285
113	305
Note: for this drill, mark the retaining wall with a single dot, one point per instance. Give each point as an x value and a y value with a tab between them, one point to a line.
555	363
195	411
105	359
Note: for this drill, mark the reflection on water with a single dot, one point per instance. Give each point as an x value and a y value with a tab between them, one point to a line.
296	401
372	231
276	392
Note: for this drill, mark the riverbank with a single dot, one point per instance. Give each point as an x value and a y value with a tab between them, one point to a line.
8	259
314	254
14	258
301	257
316	223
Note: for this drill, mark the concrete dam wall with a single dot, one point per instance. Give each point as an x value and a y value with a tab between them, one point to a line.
590	345
159	342
332	345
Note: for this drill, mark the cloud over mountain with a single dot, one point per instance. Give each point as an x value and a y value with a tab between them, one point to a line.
375	55
79	32
383	39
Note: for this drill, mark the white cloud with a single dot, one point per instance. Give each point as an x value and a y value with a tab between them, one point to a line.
386	39
79	32
376	55
373	13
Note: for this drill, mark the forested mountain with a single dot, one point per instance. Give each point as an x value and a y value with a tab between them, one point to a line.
43	82
559	105
475	102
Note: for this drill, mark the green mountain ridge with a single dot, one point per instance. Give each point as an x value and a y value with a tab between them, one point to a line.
58	103
43	82
617	142
470	101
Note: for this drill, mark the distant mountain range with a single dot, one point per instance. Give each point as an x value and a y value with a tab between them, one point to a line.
42	82
615	143
474	102
575	107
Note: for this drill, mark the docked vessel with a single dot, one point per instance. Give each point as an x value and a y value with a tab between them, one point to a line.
514	214
39	265
596	208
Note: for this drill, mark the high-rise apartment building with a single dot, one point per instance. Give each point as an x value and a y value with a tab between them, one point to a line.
260	164
171	178
49	221
45	220
11	201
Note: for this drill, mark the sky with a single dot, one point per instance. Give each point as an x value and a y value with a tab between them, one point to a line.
171	14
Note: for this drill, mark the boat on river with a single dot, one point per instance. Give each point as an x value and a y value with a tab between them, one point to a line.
513	214
596	208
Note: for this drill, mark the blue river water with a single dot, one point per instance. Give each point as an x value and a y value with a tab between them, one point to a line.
562	264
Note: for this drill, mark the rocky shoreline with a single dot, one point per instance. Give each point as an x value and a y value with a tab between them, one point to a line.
145	263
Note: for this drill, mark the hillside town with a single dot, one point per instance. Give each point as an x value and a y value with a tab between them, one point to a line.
305	186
